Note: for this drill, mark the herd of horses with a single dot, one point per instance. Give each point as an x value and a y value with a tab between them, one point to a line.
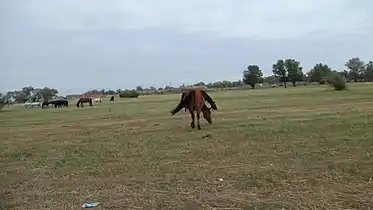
193	100
56	103
60	103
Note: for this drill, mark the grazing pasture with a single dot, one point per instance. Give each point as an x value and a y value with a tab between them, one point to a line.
304	147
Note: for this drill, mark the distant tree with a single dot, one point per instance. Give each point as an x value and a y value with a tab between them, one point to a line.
294	70
129	94
35	95
20	96
270	79
118	91
8	97
344	74
226	84
109	92
2	101
30	94
48	93
139	88
252	75
368	73
238	83
27	91
319	73
199	84
280	72
216	85
356	69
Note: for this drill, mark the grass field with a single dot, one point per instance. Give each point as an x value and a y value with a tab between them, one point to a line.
294	148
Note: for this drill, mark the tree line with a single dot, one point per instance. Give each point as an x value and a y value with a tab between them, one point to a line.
30	94
284	71
290	70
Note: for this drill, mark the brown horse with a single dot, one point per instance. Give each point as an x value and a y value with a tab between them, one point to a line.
81	101
194	100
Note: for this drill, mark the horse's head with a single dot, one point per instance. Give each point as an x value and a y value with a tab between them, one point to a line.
207	114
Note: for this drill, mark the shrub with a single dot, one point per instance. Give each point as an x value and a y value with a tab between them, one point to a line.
2	101
336	81
322	81
129	94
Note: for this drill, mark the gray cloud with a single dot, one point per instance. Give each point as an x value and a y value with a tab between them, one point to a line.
120	44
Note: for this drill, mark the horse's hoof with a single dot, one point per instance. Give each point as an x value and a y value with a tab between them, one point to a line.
199	127
192	125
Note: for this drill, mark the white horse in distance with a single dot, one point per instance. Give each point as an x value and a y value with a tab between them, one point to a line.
32	104
97	100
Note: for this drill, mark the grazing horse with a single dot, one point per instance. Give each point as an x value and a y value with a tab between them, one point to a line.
27	104
111	98
32	104
98	100
65	103
60	103
56	103
45	104
35	104
81	101
194	100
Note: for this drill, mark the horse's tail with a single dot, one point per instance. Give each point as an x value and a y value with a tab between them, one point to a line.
209	100
185	97
90	101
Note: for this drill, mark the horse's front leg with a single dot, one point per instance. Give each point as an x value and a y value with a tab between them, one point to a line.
192	124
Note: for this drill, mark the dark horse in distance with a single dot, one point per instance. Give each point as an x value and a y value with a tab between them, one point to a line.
194	100
60	103
111	98
56	103
81	101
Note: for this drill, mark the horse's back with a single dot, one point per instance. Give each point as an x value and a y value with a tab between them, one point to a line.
199	100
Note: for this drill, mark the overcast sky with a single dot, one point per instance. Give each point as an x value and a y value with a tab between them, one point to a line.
78	45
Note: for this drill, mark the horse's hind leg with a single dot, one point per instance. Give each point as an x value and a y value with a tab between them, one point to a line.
192	124
198	116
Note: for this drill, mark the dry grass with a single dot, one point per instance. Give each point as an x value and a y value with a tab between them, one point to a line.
300	148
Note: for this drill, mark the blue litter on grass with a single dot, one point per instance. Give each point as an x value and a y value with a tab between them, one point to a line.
90	205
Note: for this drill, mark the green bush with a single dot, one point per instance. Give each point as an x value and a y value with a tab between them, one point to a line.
336	81
2	101
322	81
129	94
